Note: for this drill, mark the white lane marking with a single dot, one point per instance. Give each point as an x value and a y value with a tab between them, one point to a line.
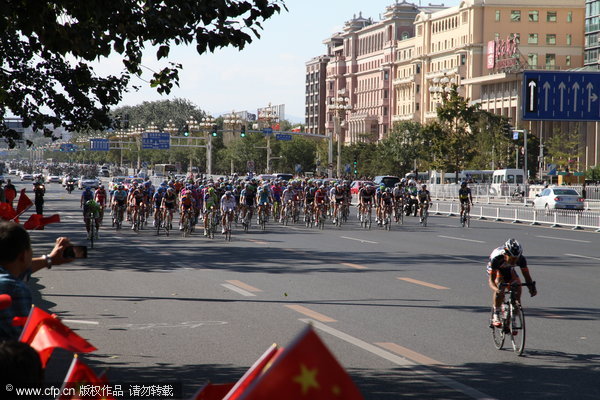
358	240
238	290
145	250
398	360
559	238
457	238
79	321
580	256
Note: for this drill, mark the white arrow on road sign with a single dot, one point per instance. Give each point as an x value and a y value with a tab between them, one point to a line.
546	87
575	93
561	87
591	96
532	86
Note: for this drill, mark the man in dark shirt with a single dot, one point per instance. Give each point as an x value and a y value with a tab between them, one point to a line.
16	266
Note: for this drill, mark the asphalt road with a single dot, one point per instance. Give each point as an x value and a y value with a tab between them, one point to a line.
405	312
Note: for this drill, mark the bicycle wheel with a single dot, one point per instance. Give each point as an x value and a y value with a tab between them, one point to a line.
517	328
92	227
468	220
425	215
497	333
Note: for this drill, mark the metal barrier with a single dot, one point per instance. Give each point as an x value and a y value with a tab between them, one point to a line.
553	218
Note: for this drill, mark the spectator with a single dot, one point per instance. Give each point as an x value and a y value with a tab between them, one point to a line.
19	364
16	266
2	195
39	190
10	192
583	191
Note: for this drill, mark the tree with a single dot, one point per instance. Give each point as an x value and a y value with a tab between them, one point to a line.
564	149
453	136
403	148
47	48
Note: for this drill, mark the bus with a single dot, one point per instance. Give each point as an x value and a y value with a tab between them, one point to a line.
478	175
439	178
422	176
165	170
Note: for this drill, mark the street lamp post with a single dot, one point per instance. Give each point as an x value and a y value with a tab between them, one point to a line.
193	125
232	121
170	128
206	125
340	106
268	115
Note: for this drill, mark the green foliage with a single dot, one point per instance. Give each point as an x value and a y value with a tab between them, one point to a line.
593	173
564	149
47	48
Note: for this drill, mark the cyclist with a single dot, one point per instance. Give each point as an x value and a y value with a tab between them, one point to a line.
424	199
378	211
309	197
86	195
136	198
100	198
465	198
168	204
91	207
398	194
263	199
156	202
501	269
365	197
337	198
247	199
287	198
385	203
119	199
228	205
320	201
211	202
186	202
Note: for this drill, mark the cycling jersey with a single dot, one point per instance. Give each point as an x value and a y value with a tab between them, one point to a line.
87	195
320	196
464	194
248	196
100	196
91	206
228	204
169	200
263	196
387	198
276	190
498	263
423	195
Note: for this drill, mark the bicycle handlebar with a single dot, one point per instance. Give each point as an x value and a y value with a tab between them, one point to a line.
505	285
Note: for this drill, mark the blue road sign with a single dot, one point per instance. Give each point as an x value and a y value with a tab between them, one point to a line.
283	136
515	135
156	141
67	147
561	95
267	131
99	145
347	168
298	168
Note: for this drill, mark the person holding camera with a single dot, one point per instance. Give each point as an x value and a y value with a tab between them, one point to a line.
16	266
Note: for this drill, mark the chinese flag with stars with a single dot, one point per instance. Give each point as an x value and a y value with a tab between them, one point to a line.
305	370
81	375
45	332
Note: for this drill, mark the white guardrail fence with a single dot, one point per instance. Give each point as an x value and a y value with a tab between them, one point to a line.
554	218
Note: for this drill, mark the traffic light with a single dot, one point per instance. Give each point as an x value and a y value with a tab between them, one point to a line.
186	130
507	130
355	167
243	131
213	131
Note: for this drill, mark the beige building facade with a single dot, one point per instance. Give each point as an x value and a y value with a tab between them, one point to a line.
394	69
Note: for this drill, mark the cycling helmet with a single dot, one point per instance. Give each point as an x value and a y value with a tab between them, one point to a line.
388	190
88	189
463	183
423	186
228	193
171	190
512	248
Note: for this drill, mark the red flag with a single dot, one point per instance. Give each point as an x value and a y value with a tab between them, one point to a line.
24	203
277	127
37	221
254	372
44	332
305	370
212	391
79	375
7	212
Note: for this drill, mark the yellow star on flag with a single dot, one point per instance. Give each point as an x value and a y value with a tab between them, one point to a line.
307	378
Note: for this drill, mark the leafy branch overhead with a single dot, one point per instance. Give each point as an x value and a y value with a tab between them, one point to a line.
47	48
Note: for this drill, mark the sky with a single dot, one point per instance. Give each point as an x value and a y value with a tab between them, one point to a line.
268	70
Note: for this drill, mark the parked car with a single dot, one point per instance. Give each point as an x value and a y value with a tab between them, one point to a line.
26	177
559	198
13	172
88	181
117	180
355	186
386	180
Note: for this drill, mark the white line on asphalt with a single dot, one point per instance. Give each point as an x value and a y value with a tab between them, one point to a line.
145	250
464	259
580	256
358	240
395	359
457	238
559	238
78	321
238	290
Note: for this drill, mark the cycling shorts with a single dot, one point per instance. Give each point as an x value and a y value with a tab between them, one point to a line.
169	205
339	201
120	203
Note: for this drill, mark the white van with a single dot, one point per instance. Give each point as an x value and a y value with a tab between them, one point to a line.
504	181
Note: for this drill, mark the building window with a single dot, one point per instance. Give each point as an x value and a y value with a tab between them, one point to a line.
569	39
463	59
497	15
550	61
533	38
416	106
551	38
418	88
515	16
404	35
517	37
496	36
551	16
568	61
534	16
465	17
385	94
570	16
532	60
420	30
386	75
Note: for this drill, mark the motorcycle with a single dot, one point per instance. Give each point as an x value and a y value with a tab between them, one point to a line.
411	205
70	187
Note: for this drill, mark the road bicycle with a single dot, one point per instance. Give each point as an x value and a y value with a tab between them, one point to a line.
186	217
158	222
512	319
366	216
387	217
247	218
118	217
227	227
424	217
168	217
309	216
398	214
345	211
93	233
321	216
262	217
466	217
